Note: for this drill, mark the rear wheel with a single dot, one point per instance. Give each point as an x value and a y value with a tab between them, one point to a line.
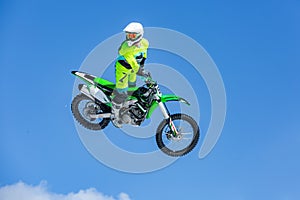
184	141
83	108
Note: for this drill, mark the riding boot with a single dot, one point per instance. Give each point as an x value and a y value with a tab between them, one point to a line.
116	120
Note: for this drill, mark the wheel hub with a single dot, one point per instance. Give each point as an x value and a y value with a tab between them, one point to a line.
170	136
90	109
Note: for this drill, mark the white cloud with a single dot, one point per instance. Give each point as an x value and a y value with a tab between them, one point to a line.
123	196
23	191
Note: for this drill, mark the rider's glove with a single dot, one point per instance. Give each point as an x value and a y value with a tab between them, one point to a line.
142	62
142	72
146	74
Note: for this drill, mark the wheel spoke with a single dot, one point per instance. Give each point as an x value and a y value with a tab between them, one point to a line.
187	135
184	142
84	109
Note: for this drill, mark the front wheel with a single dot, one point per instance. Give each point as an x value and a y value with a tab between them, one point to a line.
181	143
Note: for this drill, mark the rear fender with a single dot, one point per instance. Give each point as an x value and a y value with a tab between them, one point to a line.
89	79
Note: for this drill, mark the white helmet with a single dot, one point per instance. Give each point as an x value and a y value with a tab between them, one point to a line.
134	33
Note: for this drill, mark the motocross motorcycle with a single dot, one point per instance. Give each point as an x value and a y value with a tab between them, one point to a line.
176	135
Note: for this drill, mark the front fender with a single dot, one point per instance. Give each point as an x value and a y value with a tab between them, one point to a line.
171	97
164	99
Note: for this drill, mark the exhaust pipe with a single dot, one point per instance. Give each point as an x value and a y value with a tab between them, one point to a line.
84	90
93	93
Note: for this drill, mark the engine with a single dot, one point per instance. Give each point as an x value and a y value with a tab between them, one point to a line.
135	111
138	113
134	114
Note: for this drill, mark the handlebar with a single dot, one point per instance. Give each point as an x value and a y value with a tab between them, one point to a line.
149	81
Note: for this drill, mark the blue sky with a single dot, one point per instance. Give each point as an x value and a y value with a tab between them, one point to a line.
255	45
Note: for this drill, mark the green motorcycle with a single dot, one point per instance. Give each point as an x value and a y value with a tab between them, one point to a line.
176	135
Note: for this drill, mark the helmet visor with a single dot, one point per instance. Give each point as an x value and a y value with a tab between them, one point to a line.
132	36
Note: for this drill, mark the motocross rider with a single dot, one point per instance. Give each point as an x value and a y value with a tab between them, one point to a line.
129	64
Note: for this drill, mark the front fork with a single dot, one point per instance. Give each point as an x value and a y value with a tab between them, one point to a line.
166	115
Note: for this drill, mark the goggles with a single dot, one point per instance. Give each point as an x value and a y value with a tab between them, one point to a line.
132	36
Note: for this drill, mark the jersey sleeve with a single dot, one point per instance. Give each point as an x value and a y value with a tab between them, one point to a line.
146	46
125	51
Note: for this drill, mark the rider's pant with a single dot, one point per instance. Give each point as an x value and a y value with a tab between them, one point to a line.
125	77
